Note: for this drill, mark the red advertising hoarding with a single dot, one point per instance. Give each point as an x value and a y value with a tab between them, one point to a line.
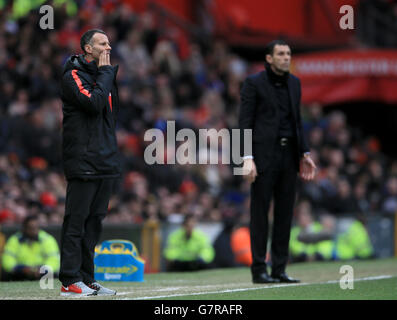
349	75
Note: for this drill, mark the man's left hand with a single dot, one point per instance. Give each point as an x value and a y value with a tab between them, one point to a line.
307	168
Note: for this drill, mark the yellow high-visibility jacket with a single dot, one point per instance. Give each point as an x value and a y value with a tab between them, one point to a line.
196	247
296	247
19	251
354	243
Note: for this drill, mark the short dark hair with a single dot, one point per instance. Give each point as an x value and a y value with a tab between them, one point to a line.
87	36
269	49
188	217
27	219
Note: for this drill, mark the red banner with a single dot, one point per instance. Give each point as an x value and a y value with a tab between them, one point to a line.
342	76
253	22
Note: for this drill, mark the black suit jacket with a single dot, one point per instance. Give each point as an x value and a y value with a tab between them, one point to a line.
259	111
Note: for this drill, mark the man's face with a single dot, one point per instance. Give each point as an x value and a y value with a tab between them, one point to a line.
99	43
31	229
280	61
189	226
304	219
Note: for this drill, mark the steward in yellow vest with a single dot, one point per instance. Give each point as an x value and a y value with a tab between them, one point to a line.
188	249
27	251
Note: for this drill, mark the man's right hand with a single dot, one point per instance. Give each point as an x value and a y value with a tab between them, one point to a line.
249	170
104	58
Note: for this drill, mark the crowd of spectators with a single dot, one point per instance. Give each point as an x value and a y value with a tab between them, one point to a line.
354	176
163	76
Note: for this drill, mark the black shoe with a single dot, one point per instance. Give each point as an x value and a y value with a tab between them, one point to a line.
283	277
263	278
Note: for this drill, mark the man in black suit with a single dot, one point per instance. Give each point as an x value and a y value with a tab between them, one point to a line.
270	106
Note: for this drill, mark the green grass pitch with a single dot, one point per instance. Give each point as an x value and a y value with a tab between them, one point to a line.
373	280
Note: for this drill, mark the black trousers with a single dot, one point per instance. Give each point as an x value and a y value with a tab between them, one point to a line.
277	183
86	206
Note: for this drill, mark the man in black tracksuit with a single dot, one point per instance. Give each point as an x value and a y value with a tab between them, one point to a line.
90	159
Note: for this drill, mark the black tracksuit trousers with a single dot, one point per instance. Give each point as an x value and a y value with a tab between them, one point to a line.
86	206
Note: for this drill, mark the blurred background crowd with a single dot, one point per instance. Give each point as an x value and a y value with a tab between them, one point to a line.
163	76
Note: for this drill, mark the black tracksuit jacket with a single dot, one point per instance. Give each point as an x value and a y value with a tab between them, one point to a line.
90	107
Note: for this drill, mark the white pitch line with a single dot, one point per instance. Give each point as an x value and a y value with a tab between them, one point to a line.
254	288
208	292
157	290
